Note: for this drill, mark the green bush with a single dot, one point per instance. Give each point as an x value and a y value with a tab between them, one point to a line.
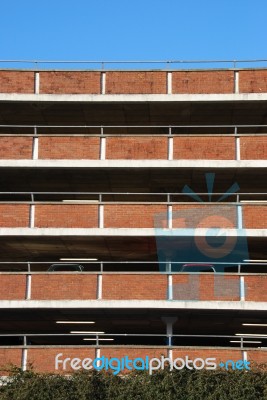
163	385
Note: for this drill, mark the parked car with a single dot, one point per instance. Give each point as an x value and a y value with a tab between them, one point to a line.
65	267
198	268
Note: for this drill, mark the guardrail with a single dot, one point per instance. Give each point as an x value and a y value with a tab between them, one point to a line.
130	267
157	210
162	64
155	142
167	338
165	284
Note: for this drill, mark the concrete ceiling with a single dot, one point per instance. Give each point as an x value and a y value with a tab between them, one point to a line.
133	113
188	322
133	180
50	249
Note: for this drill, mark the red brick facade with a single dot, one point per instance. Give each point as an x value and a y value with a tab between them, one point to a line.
102	91
64	287
16	82
54	82
130	287
134	82
69	148
203	82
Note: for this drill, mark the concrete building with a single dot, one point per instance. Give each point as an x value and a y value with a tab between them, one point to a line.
107	168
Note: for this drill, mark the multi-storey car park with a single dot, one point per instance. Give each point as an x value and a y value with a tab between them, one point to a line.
106	168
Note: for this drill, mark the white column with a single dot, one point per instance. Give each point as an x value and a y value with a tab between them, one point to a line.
36	83
169	82
103	83
236	81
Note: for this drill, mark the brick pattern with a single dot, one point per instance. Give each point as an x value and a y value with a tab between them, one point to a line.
219	354
204	216
127	82
15	148
132	215
253	148
14	215
56	286
254	217
203	82
134	287
132	353
16	82
255	288
9	357
253	81
60	82
203	287
133	82
206	287
204	148
69	148
12	287
136	148
257	356
43	360
66	216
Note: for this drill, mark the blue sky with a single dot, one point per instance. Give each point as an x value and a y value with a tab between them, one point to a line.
133	30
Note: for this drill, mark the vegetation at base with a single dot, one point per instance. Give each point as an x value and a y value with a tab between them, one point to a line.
163	385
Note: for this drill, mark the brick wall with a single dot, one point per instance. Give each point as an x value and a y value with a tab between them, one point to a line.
203	287
58	82
66	216
203	82
43	360
14	215
9	357
128	82
257	356
130	287
131	82
255	287
254	217
206	287
131	216
253	81
204	216
12	287
132	353
61	286
219	354
15	147
253	148
213	148
75	147
136	148
16	82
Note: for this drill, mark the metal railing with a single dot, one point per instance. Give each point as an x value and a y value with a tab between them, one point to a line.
111	267
166	216
103	133
167	338
225	287
144	64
